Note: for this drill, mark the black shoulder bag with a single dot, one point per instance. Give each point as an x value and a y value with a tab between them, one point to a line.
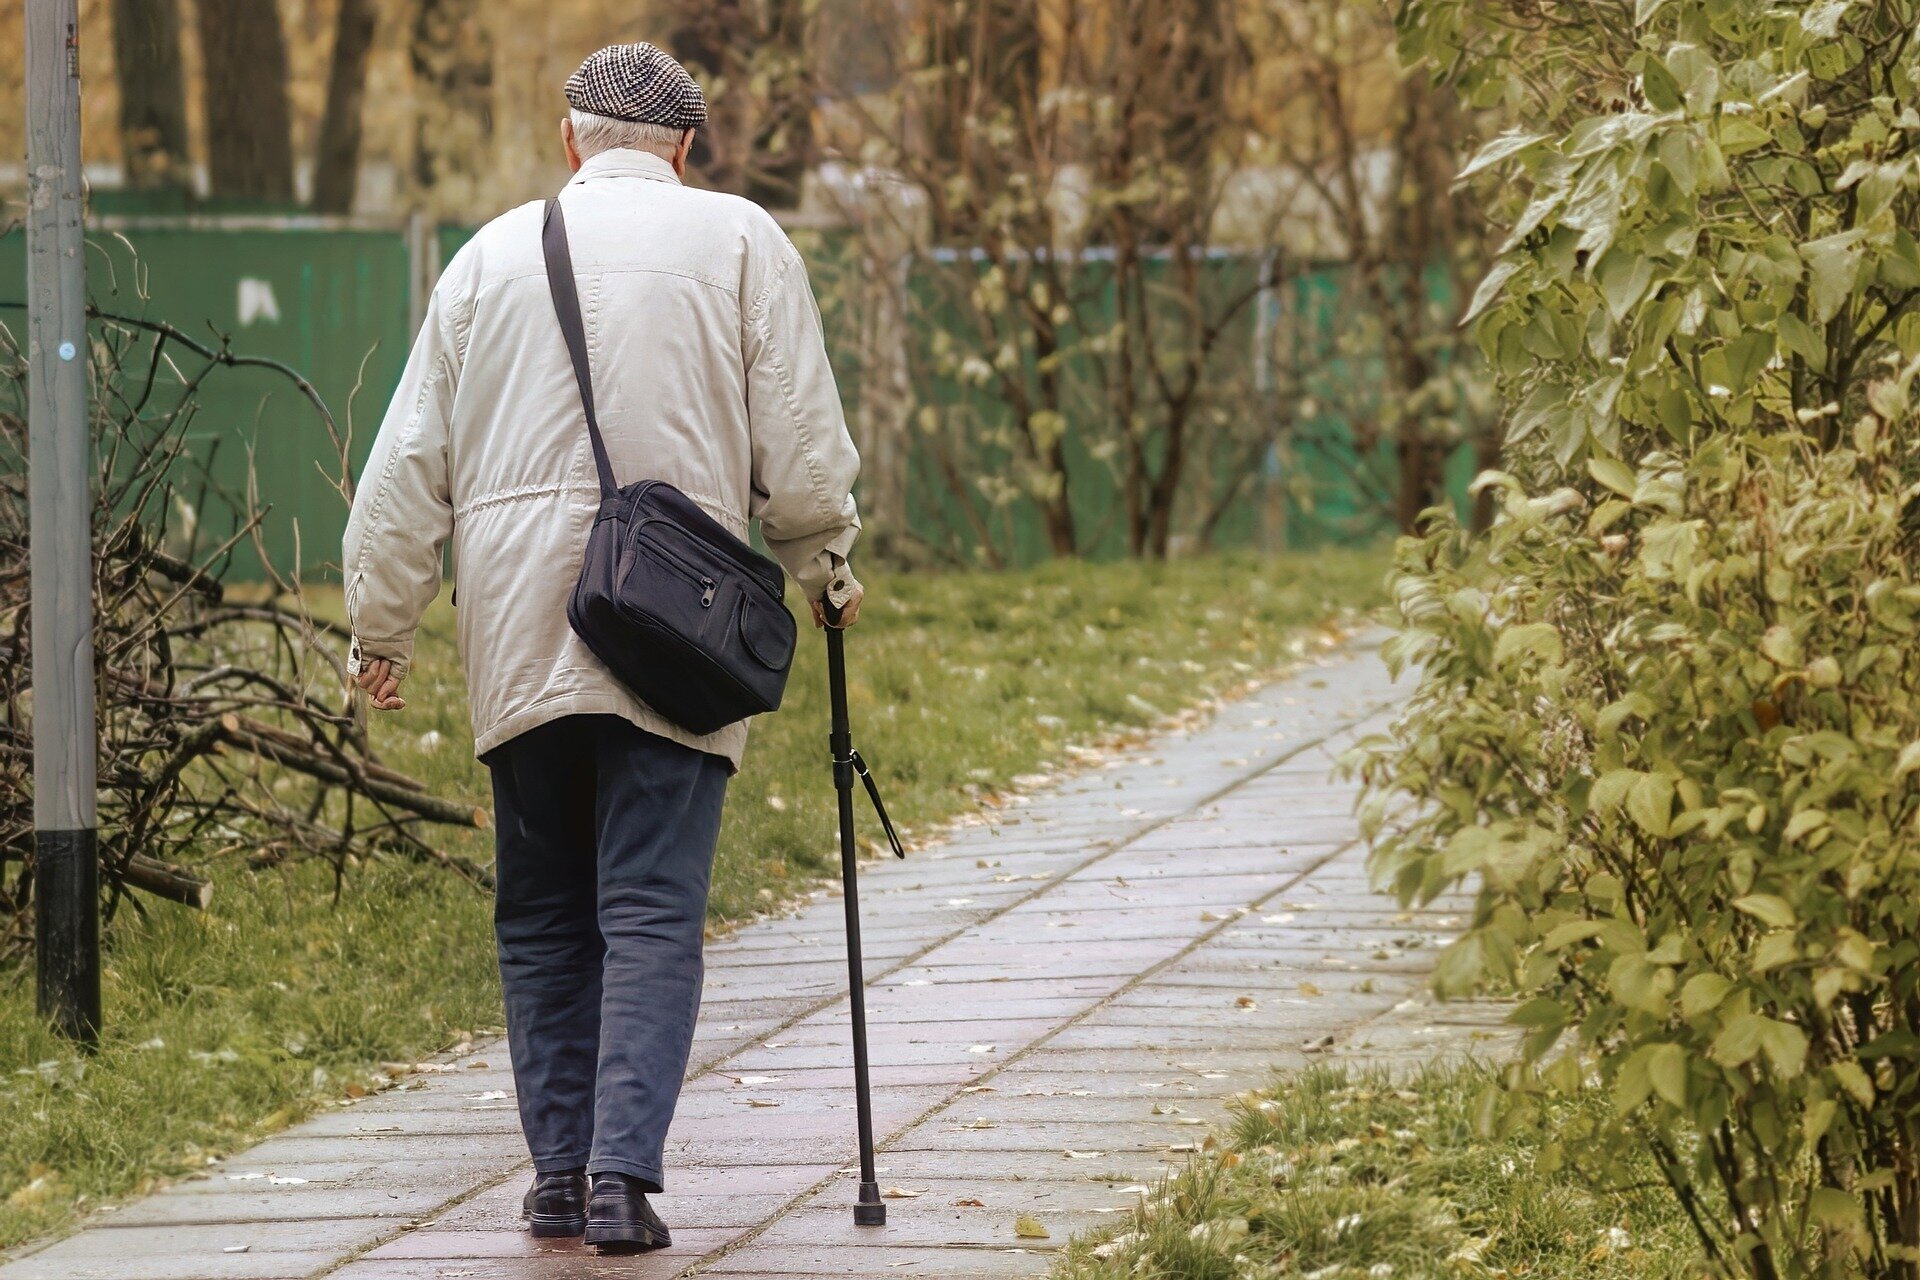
686	615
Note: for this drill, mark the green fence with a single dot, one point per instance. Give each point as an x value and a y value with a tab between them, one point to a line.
329	300
337	299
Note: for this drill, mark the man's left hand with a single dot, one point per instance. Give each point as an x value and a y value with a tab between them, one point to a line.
849	612
381	685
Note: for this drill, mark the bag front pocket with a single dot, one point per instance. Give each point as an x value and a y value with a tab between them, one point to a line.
767	634
675	592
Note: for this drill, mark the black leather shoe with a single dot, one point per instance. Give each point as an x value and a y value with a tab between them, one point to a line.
556	1204
620	1220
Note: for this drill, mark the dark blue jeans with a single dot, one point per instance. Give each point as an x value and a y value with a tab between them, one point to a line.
605	837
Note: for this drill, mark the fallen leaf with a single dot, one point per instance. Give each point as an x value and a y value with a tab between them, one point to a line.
970	1202
761	1102
1028	1227
903	1193
1246	1002
980	1123
1309	989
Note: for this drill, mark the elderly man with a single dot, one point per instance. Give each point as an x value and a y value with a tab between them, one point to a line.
710	373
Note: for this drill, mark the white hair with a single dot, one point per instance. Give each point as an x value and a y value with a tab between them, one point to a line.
593	134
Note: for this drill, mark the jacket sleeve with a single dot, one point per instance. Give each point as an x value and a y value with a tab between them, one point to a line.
804	462
402	510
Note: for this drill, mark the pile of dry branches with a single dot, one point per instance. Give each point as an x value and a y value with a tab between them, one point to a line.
225	731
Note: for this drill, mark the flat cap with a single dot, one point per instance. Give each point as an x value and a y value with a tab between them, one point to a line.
637	82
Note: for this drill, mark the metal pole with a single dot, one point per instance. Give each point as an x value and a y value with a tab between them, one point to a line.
60	468
869	1210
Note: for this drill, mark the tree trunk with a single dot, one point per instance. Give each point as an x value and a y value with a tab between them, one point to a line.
1057	510
337	162
1421	229
1413	453
153	95
451	53
783	136
885	407
249	126
708	38
1489	443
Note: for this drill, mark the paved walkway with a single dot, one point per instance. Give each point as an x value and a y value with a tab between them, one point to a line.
1060	1002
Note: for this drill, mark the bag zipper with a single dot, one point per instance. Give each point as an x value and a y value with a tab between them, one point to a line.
709	589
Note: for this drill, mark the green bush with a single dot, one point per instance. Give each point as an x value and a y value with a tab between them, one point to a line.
1669	721
1671	734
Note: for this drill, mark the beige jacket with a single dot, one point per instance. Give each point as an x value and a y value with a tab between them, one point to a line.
709	372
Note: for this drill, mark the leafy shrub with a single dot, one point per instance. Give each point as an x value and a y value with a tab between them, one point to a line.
1670	717
1672	733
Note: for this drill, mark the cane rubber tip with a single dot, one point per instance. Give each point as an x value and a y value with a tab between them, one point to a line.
871	1211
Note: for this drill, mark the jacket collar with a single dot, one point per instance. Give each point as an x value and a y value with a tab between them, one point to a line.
621	162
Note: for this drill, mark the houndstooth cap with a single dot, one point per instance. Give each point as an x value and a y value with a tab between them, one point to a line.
637	82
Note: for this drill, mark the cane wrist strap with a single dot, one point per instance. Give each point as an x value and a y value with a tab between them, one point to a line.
873	793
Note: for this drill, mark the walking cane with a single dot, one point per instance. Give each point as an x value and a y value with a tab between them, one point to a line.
869	1210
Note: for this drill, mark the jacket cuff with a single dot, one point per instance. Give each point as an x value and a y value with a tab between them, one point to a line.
814	571
827	568
362	653
841	584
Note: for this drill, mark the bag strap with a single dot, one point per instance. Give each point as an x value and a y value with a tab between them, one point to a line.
873	793
566	306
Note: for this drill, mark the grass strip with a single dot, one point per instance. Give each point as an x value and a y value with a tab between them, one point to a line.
1338	1175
